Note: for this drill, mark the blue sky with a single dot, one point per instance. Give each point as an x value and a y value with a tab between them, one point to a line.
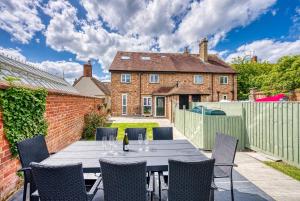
61	35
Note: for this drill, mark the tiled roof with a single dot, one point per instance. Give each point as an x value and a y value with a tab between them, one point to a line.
32	76
168	62
105	87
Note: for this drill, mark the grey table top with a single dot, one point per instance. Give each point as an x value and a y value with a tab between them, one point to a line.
157	155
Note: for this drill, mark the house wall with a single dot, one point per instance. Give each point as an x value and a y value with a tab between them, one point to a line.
135	93
88	88
65	116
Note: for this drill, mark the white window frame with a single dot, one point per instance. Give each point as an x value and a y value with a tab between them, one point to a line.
222	78
124	75
155	81
124	105
196	79
148	103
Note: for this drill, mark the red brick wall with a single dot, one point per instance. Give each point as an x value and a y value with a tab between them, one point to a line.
65	116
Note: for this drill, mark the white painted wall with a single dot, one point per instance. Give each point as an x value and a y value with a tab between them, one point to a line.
87	87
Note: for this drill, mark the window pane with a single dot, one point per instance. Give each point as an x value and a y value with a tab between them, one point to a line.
198	79
154	78
147	109
149	101
124	100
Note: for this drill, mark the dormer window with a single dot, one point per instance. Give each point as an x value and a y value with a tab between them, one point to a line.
145	58
154	78
125	57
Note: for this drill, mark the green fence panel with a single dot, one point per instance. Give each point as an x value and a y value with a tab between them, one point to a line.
273	128
230	125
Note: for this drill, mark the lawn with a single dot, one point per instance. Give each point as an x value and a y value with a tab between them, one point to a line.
122	126
285	168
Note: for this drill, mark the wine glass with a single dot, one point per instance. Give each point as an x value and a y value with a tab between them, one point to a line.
111	144
104	144
146	142
140	141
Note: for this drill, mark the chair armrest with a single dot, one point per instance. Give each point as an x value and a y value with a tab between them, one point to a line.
226	164
94	189
35	194
164	186
53	153
213	186
24	169
151	182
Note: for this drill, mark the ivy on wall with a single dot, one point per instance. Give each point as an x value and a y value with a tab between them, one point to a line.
23	114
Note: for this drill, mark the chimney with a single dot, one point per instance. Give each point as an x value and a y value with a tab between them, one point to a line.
186	51
87	69
254	59
203	49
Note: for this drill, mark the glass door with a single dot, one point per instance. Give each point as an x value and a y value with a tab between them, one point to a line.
160	106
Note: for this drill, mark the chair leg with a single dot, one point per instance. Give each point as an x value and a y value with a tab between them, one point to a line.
31	190
25	189
231	188
159	186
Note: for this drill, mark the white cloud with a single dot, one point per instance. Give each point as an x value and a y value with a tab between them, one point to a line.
274	12
266	49
20	19
142	25
12	53
71	70
91	41
215	18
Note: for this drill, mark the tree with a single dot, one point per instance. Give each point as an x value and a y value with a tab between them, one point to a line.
284	77
250	75
281	77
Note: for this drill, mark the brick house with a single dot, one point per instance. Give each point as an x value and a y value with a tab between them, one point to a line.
144	83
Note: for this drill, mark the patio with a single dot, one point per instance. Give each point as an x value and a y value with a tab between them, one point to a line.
244	189
252	179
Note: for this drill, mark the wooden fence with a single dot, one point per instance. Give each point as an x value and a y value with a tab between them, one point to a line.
272	128
201	129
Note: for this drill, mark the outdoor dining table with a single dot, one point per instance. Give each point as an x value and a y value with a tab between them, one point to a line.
156	153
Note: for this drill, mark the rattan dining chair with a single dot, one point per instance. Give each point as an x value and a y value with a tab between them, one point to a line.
101	132
162	133
31	150
63	182
133	133
224	154
189	180
125	181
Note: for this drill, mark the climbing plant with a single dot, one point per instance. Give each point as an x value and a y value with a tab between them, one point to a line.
23	114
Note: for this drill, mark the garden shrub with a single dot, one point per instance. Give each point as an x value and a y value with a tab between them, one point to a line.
92	121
